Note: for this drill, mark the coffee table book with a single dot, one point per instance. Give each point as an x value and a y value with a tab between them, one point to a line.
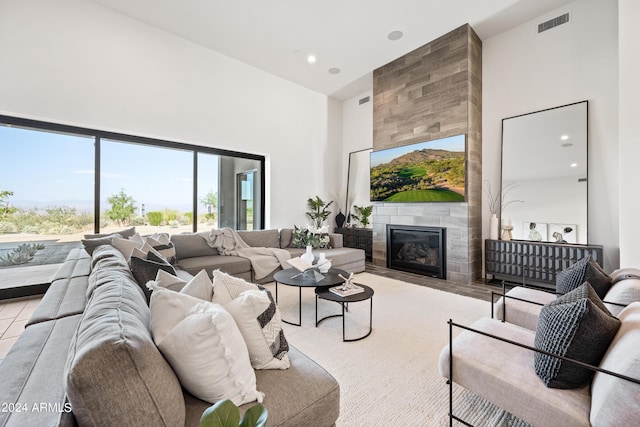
352	290
302	266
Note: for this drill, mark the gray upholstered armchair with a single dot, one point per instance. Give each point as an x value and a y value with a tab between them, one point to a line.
498	361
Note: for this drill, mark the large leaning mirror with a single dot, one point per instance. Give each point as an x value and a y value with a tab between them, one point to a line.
544	174
358	182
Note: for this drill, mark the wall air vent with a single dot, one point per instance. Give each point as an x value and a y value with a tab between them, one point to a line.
364	100
552	23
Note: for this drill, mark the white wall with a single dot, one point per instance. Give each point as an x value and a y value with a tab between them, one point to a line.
629	34
76	63
525	72
357	134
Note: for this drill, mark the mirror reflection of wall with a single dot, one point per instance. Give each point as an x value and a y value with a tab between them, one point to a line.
544	174
358	180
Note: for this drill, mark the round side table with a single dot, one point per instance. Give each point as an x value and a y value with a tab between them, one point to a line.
293	277
326	294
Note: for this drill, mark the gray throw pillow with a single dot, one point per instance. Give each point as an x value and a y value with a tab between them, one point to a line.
125	234
145	270
575	325
585	270
90	245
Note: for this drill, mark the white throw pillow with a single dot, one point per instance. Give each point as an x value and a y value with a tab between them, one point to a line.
227	287
137	238
259	321
258	318
126	247
168	308
204	346
167	280
199	286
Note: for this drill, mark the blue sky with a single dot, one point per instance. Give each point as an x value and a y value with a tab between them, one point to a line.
453	143
48	167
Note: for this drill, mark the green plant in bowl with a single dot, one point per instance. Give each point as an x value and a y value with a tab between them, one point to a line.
226	414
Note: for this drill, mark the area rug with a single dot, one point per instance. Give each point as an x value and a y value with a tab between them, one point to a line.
390	378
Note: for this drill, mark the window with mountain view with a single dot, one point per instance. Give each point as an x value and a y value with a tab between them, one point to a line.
51	194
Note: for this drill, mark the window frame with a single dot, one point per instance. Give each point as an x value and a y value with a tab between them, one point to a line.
98	135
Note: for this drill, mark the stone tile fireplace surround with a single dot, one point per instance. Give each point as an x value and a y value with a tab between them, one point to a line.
431	93
451	216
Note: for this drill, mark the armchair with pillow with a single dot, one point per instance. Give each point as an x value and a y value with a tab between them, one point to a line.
521	305
581	367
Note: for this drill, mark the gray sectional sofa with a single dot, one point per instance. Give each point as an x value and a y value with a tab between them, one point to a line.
194	254
87	356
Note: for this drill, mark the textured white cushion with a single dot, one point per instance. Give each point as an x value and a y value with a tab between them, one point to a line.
614	401
258	319
227	287
204	346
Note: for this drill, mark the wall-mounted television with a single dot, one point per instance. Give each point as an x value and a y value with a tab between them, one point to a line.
431	171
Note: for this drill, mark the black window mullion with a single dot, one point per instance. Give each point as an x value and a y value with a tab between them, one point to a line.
194	225
96	186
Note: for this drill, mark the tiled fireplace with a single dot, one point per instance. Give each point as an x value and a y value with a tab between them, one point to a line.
430	93
462	263
419	250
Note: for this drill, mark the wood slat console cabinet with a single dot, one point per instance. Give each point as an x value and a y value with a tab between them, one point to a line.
358	238
533	263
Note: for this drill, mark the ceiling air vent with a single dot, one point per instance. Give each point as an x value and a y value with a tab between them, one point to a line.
552	23
364	100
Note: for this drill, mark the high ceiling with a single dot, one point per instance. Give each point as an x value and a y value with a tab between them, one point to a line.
350	35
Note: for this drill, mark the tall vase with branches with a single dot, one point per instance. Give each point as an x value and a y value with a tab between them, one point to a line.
498	203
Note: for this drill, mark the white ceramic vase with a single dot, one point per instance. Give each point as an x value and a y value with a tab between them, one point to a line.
324	263
493	227
308	255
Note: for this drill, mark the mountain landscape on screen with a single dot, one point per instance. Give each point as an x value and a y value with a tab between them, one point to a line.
420	172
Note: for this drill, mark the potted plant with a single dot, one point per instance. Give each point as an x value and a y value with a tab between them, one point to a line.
362	214
226	414
318	211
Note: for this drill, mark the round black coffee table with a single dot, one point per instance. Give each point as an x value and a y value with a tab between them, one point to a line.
326	294
293	277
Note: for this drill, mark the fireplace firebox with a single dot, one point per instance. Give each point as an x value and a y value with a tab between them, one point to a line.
417	249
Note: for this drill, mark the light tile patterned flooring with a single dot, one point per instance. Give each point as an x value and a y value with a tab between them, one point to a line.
14	314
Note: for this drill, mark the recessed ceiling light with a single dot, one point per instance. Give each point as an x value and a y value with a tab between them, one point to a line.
334	70
395	35
564	137
574	165
311	59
